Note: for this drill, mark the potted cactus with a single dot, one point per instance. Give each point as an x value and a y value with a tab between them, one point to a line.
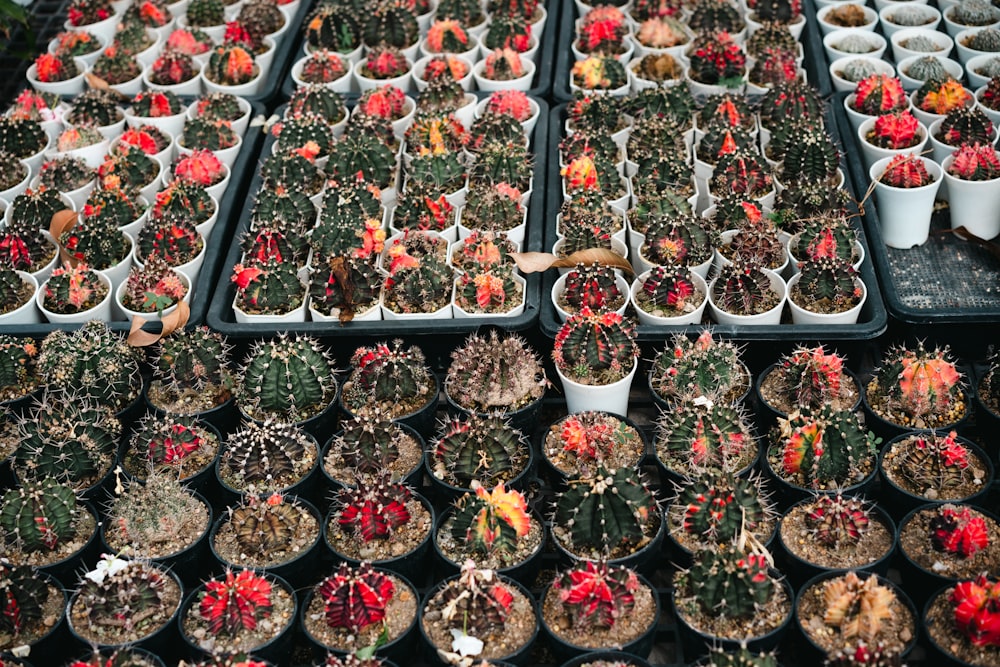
96	16
19	378
593	605
336	28
838	611
729	599
747	293
119	70
596	357
890	134
916	388
384	65
479	613
34	608
57	73
232	69
593	286
216	136
172	445
277	534
972	174
826	290
671	235
495	372
807	377
14	176
664	296
905	186
334	625
717	63
417	286
323	66
835	532
503	69
23	138
707	366
490	293
124	602
578	443
98	241
173	238
477	448
268	457
493	207
602	32
18	292
368	445
173	71
152	291
69	176
240	611
269	291
695	436
392	382
74	295
959	621
495	527
601	74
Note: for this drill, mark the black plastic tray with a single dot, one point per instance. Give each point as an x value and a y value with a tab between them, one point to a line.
221	318
815	56
542	85
218	241
944	280
871	323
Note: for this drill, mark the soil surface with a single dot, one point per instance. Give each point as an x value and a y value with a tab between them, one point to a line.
973	477
768	617
136	464
164	543
187	402
624	444
108	633
940	626
52	612
798	539
400	612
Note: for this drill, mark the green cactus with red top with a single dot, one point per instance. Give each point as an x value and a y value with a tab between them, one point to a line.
269	287
923	386
828	284
386	374
719	508
73	289
153	288
167	443
822	447
50	68
508	31
727	583
704	436
231	66
596	595
675	241
668	289
717	60
39	515
374	508
18	376
595	348
172	238
879	94
744	289
503	65
323	67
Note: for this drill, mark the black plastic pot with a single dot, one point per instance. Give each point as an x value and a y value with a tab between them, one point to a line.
618	656
411	565
812	653
640	646
888	430
644	561
401	650
186	563
18	407
68	569
445	493
557	476
787	494
306	488
519	657
202	481
50	648
151	657
921	583
799	570
8	659
681	556
768	416
273	650
420	420
298	571
524	419
523	572
132	412
665	406
899	502
987	421
163	642
225	418
696	644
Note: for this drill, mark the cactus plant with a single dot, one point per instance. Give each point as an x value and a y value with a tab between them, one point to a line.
714	17
205	13
848	611
392	380
706	366
40	515
13	172
918	388
155	517
218	106
578	442
177	445
598	73
592	286
475	603
416	285
115	66
939	95
792	99
18	375
744	289
333	26
65	174
236	602
377	519
966	125
972	604
73	289
717	60
668	292
827	285
662	33
128	598
385	62
609	514
812	157
86	12
270	287
956	531
478	448
153	288
725	583
492	207
50	68
291	170
835	521
323	66
718	509
595	595
696	436
91	362
231	66
212	135
343	286
355	598
488	292
14	292
491	522
490	372
718	657
975	162
288	378
266	457
595	348
369	445
673	240
21	137
809	378
469	14
508	32
266	530
602	31
391	23
934	466
172	67
895	130
820	448
25	596
172	238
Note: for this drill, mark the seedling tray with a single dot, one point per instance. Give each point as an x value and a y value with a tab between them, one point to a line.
871	323
218	241
815	56
221	317
944	280
541	85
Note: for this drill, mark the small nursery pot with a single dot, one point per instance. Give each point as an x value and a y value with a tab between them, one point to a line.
787	494
974	205
942	637
610	397
772	316
49	647
803	315
644	560
102	311
26	313
899	501
304	487
904	213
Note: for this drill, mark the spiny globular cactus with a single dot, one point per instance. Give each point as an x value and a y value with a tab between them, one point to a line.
265	525
266	457
491	521
355	598
742	172
148	515
193	359
879	94
835	520
607	514
812	157
393	377
668	291
966	125
976	162
697	436
918	388
717	657
813	376
895	131
976	609
720	508
39	516
824	446
955	530
595	594
728	584
939	462
494	372
595	348
374	508
122	594
827	285
706	366
18	376
272	286
592	286
391	23
744	289
863	655
477	602
231	66
906	171
23	595
857	609
287	378
235	602
483	448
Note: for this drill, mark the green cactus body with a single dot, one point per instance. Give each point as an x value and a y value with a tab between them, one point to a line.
12	171
21	137
816	449
92	362
288	378
35	207
344	286
469	13
966	125
771	35
149	516
115	66
392	23
791	99
595	348
95	108
177	445
267	457
440	172
719	509
713	16
492	207
679	241
14	292
23	595
696	437
503	162
490	522
333	26
231	66
588	142
442	96
591	286
665	207
673	101
270	287
39	516
490	372
65	174
205	13
291	170
129	593
367	445
728	584
665	172
421	288
392	379
306	132
18	376
812	157
482	448
744	290
703	367
607	515
96	241
362	153
827	285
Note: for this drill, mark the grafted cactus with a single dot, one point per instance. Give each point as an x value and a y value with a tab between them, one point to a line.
955	530
122	594
823	447
491	521
39	516
596	595
918	388
611	512
355	598
477	602
374	508
592	286
393	377
263	526
595	348
288	378
838	521
939	462
479	448
857	609
744	289
266	457
235	602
